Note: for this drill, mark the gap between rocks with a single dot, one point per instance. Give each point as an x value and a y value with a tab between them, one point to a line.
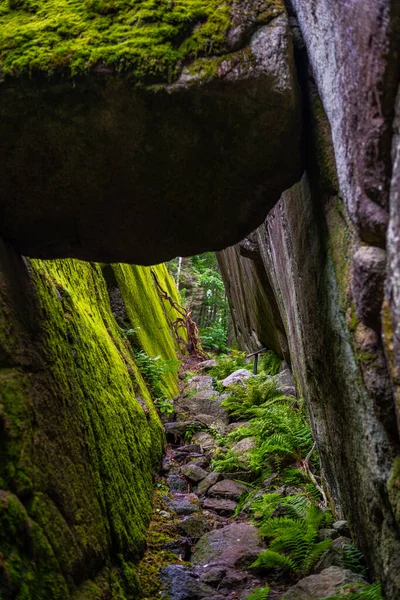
203	539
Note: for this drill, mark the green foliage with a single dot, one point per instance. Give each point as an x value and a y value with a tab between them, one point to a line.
363	592
191	429
228	363
153	371
150	39
259	593
278	423
270	363
294	544
354	560
214	338
201	284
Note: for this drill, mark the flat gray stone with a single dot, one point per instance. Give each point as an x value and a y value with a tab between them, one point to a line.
202	403
328	583
334	556
182	507
236	546
244	447
227	489
220	506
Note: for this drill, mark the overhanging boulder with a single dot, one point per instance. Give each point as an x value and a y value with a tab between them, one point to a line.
103	166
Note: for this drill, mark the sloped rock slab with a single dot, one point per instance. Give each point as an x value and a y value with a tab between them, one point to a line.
328	583
205	440
209	481
203	403
227	489
234	546
197	384
194	473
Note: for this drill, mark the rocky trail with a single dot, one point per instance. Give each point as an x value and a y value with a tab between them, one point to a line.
204	539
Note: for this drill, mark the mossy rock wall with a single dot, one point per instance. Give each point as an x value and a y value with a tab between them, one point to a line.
77	448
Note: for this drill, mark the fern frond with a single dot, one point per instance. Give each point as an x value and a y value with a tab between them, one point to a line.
273	560
259	593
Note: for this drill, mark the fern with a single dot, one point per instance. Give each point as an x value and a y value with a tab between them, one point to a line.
294	542
259	593
354	560
270	363
228	363
363	592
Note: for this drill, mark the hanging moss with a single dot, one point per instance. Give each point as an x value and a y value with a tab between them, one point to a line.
77	449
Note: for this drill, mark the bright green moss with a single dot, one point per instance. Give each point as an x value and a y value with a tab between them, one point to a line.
148	315
148	38
76	446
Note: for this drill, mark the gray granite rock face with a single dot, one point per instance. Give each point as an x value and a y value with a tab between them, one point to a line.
321	256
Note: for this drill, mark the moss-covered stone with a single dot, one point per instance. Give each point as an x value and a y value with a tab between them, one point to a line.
77	449
148	38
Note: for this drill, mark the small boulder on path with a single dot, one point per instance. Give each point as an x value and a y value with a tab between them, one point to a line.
176	483
209	481
235	546
193	472
334	556
286	383
182	507
205	440
197	384
203	403
208	364
180	584
227	489
236	377
195	527
328	583
221	507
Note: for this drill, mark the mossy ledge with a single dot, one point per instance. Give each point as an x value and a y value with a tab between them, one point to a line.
80	437
149	39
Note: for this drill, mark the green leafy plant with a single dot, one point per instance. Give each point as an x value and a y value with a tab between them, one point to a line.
270	363
354	560
259	593
228	363
363	592
214	338
294	544
153	371
191	429
164	405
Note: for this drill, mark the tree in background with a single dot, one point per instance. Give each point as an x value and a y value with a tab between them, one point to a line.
202	289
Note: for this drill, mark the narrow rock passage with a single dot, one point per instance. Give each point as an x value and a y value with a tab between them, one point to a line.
203	540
